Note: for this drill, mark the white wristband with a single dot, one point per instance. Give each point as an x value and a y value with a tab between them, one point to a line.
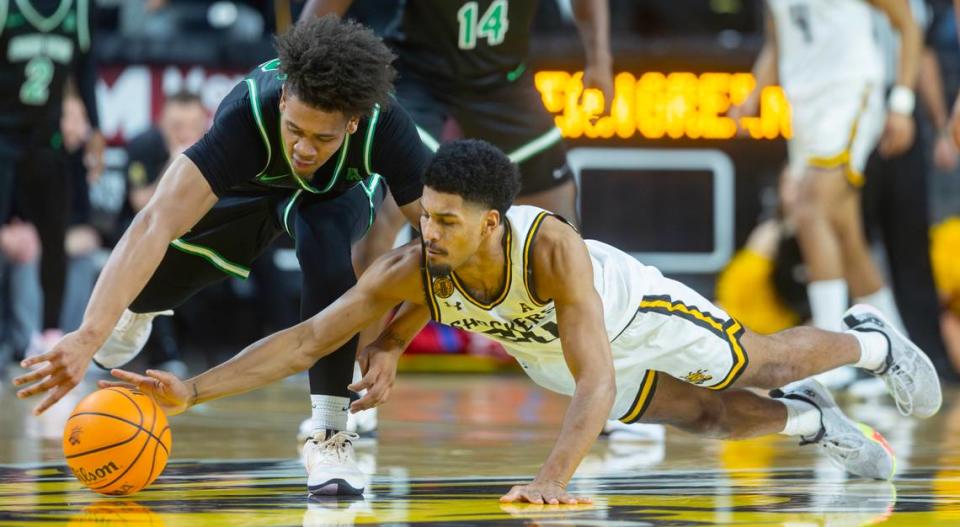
902	100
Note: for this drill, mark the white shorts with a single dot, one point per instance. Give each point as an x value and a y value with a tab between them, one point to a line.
836	128
678	332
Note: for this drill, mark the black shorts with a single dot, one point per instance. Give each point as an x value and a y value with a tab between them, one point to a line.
510	116
240	227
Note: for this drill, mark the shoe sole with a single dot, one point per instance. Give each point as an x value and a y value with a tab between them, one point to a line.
878	438
926	360
334	487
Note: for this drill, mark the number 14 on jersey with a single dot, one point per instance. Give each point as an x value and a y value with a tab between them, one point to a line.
492	25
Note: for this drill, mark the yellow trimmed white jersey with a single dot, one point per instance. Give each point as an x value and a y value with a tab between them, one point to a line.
822	43
653	323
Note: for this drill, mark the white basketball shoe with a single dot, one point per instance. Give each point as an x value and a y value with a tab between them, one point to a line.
332	466
129	336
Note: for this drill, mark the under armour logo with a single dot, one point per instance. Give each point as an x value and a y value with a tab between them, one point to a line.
458	305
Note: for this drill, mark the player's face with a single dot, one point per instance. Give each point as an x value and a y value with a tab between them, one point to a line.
311	136
452	229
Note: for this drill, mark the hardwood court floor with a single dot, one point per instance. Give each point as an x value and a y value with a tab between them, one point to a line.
451	445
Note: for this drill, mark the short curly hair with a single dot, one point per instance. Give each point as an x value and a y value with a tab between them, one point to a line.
476	171
336	65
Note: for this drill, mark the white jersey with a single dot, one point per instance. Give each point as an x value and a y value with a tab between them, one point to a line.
527	325
825	43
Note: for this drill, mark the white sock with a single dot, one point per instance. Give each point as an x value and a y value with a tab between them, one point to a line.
873	349
803	419
329	412
883	300
828	301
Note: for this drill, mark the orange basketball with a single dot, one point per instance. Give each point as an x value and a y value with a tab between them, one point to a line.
117	441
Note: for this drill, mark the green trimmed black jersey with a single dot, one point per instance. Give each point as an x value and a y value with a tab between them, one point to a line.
243	151
476	42
41	42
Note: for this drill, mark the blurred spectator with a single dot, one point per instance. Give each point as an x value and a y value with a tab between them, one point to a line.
21	300
82	240
183	121
896	202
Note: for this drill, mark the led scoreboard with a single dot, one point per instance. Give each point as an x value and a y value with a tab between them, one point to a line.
672	206
663	105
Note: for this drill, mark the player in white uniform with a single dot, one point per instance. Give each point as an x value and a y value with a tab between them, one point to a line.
586	320
825	55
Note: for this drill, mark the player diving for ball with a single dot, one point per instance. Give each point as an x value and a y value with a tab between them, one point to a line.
586	320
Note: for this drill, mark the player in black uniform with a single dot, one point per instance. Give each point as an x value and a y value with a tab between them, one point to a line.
42	44
302	145
467	59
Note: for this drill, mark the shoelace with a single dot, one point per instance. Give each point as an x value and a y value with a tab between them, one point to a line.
336	445
846	446
900	381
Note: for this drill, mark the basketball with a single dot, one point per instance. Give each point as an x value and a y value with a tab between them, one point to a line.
117	441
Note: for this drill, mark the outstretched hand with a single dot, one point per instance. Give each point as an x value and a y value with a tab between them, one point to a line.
169	392
57	371
379	367
549	493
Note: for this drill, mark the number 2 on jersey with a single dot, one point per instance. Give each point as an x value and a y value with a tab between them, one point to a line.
36	88
492	25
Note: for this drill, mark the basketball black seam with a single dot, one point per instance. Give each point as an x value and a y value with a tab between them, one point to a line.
131	423
135	405
133	461
102	448
153	460
153	463
129	465
134	436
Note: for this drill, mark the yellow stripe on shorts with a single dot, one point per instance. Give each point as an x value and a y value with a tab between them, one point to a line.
729	330
647	388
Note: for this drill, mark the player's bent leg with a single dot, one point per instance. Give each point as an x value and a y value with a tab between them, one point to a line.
324	233
731	414
803	409
871	342
794	354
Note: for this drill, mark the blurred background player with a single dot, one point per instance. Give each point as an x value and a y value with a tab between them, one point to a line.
44	43
825	56
896	193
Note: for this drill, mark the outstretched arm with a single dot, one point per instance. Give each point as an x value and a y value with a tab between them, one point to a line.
563	271
392	279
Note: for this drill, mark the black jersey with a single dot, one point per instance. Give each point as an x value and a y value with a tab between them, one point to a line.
40	41
243	151
476	42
